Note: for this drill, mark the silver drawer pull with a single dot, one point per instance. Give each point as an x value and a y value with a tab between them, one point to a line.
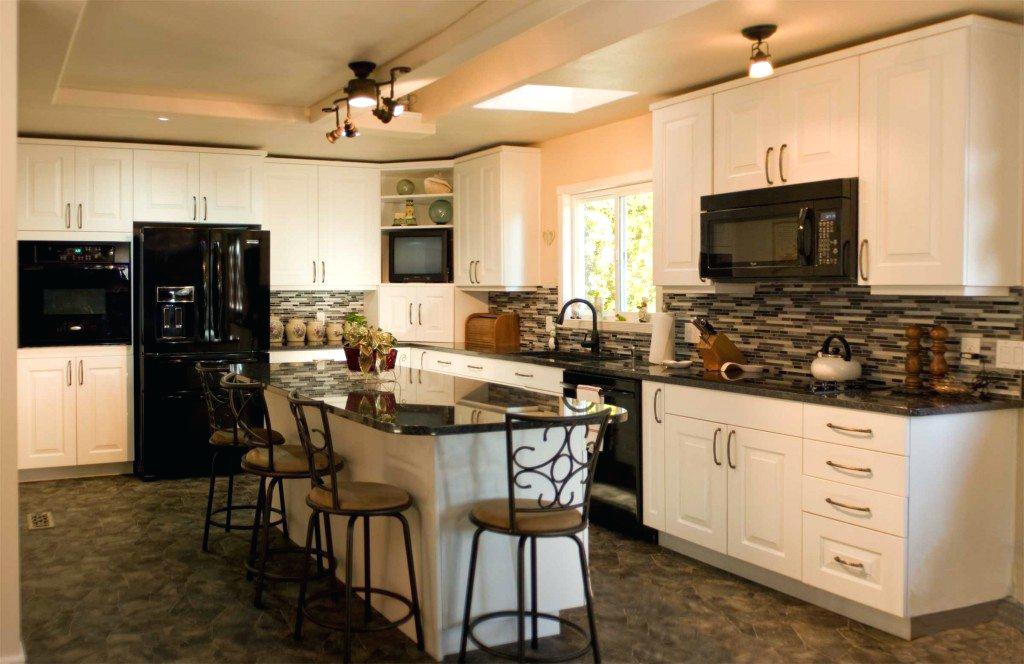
847	563
836	427
522	375
836	503
842	467
474	366
447	364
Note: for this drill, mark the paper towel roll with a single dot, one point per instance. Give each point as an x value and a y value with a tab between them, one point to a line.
663	338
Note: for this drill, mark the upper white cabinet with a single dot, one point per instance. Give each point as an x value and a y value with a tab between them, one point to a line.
229	186
68	188
798	127
292	218
497	213
184	186
940	188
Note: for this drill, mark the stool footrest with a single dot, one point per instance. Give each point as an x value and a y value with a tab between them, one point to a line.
527	615
340	609
243	525
253	566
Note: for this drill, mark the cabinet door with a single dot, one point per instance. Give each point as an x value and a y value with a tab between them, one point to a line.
395	311
489	269
913	107
349	226
818	123
166	185
682	174
291	217
103	182
695	481
46	187
433	313
468	179
653	455
764	499
746	122
46	412
229	188
102	406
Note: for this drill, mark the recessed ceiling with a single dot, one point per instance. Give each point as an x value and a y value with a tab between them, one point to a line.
252	73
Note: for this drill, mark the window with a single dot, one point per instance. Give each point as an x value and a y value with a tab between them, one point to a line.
612	247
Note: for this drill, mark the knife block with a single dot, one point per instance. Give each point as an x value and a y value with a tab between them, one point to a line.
718	349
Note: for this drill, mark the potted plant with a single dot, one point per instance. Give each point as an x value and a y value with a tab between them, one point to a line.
367	349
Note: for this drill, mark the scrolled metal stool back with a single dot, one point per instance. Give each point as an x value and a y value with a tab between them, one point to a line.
218	403
320	456
547	462
249	405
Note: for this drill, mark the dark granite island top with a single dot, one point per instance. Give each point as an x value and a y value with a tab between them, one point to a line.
396	402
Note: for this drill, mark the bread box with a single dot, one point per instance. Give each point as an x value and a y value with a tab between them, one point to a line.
497	333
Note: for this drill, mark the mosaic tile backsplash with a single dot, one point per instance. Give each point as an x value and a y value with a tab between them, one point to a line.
305	304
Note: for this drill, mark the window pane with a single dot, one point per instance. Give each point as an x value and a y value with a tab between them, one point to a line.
638	251
598	216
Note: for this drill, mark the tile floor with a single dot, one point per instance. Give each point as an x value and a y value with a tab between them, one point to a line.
121	578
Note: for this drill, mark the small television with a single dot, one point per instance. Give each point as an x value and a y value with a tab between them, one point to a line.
420	255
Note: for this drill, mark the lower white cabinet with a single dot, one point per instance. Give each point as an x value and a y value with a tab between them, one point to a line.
423	312
696	486
516	374
73	406
652	455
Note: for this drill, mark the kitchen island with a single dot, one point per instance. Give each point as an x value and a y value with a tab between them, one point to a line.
444	442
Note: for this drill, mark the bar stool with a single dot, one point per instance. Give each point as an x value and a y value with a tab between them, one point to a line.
565	476
272	463
225	438
330	495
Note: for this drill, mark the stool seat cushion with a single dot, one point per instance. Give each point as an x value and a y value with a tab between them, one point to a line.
226	437
493	514
361	497
287	459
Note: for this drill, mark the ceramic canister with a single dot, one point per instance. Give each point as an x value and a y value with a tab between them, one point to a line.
334	331
315	332
295	330
276	330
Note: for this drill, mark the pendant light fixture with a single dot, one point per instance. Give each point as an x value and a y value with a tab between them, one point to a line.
364	92
760	57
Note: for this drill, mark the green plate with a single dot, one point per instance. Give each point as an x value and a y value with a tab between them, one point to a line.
440	211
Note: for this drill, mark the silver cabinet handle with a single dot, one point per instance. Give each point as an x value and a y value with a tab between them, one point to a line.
836	427
657	393
206	208
67	222
470	271
851	468
522	375
475	366
447	364
69	370
79	215
836	503
323	272
195	207
782	150
767	155
314	272
847	563
714	446
862	260
81	373
728	449
419	313
410	313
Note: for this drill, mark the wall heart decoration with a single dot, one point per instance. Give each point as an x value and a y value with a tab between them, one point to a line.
549	237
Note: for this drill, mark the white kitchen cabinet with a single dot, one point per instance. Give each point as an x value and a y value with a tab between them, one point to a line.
166	185
746	128
290	206
652	455
696	483
46	412
497	216
230	188
68	188
940	190
102	409
423	312
395	304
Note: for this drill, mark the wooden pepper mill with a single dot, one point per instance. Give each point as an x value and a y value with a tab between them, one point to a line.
912	366
939	367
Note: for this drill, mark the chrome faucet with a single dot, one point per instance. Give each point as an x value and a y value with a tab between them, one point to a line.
594	344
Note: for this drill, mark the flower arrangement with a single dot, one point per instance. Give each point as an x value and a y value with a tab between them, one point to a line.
367	348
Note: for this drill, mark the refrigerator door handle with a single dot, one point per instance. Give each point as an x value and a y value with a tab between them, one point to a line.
206	289
217	302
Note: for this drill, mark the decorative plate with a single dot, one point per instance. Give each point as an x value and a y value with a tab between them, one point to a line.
405	187
440	212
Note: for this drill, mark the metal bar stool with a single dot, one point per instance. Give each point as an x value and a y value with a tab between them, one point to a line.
564	477
225	438
330	495
273	461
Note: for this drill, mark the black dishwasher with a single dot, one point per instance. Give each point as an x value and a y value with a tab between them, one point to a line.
617	495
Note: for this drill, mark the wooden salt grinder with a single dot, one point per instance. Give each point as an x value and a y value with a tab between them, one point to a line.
939	366
913	381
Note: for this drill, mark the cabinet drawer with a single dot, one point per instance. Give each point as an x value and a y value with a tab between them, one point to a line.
743	410
855	466
530	376
861	507
863	565
440	362
476	367
872	431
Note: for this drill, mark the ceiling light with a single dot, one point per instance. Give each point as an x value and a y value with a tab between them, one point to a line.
552	99
350	130
760	56
364	92
163	118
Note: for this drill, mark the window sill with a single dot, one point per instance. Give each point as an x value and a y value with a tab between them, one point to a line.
609	325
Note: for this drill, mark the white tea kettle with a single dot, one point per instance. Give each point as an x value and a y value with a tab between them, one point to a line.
834	365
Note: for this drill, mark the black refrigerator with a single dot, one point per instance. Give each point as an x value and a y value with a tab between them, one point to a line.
200	293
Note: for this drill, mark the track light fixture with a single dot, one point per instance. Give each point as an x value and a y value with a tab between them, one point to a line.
760	57
364	92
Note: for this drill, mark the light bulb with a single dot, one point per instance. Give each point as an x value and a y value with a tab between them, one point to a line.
398	109
760	67
362	102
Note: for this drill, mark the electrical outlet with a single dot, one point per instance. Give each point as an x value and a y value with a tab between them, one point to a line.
970	351
1010	355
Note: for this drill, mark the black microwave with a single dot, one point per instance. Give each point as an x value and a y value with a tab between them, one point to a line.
798	232
420	255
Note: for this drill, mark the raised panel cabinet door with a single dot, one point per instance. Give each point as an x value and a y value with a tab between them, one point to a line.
229	188
166	185
468	178
46	412
102	406
395	311
682	174
746	128
764	499
490	268
695	481
350	236
818	123
652	454
913	114
103	182
290	192
46	187
433	312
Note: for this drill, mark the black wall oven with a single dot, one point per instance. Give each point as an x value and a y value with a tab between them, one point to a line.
74	294
799	232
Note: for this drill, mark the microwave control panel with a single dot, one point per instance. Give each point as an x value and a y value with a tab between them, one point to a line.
828	238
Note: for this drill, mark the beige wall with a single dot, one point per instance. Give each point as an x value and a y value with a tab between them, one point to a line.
615	149
10	603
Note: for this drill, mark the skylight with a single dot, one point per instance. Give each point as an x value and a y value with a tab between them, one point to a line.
552	99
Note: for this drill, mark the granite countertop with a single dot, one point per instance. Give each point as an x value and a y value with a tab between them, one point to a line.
774	384
416	402
303	345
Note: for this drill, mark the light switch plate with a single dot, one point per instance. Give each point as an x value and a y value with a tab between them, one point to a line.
970	346
1010	355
